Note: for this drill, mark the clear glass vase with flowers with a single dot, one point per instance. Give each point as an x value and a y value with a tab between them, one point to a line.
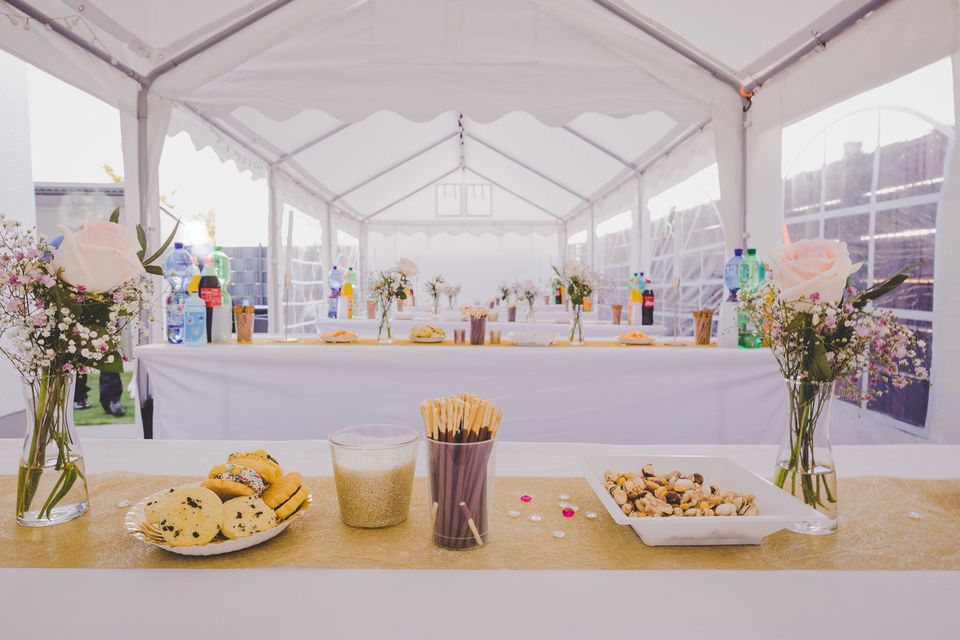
575	279
826	336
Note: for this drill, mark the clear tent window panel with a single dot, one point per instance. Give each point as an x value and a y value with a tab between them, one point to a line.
880	169
689	250
303	296
613	241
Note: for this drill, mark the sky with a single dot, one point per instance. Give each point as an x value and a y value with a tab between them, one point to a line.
74	134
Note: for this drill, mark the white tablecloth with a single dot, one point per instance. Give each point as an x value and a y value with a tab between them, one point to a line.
559	394
316	603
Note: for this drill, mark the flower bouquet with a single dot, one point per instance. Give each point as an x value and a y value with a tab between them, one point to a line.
578	283
452	291
825	336
435	289
64	305
390	285
529	292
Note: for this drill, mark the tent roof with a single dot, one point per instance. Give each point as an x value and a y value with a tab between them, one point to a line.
361	99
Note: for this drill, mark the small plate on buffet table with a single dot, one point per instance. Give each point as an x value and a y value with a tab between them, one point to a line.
135	522
430	340
635	341
339	337
776	509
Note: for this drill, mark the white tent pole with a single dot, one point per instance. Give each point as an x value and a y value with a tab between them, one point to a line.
312	143
394	166
591	247
637	21
599	147
527	167
515	194
329	240
273	253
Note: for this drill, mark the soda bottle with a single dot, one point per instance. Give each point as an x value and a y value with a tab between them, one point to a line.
648	303
335	282
194	284
210	292
749	279
636	289
221	264
731	274
178	268
349	290
194	321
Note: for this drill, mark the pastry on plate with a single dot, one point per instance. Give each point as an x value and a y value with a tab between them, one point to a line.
281	490
260	461
246	516
187	517
234	480
427	332
634	335
291	504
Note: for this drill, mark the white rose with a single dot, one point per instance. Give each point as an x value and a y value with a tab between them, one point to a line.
811	270
99	257
573	268
407	267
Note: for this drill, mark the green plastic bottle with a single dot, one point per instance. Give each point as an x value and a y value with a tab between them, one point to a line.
221	264
749	278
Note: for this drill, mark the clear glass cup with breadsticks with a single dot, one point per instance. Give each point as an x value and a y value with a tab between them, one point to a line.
461	433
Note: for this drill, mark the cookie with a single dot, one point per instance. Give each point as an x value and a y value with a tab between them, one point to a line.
151	508
282	489
293	503
246	516
261	462
187	517
232	480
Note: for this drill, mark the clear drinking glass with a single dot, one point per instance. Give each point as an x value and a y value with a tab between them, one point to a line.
461	492
373	468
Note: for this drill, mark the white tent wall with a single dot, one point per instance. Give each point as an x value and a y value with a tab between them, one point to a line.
895	40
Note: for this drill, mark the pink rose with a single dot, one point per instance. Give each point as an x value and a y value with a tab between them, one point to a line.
812	270
99	257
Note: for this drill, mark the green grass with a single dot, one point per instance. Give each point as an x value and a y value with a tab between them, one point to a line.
95	414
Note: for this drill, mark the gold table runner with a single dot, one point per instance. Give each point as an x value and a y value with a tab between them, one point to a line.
504	343
875	534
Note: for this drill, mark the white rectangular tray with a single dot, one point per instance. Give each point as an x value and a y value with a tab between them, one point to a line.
777	508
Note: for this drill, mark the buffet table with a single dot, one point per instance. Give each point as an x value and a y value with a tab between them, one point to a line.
404	603
605	394
550	327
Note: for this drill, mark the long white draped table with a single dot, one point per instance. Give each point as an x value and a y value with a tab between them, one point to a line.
613	394
301	603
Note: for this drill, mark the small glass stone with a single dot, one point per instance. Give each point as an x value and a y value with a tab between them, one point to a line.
526	498
563	504
558	534
591	514
123	504
575	507
513	514
568	512
564	496
913	515
535	518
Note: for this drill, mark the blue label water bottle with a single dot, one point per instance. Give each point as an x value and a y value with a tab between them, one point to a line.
195	321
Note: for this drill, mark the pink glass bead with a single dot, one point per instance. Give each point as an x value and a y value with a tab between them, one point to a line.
568	512
526	498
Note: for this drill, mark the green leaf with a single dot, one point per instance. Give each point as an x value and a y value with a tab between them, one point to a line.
142	239
402	295
166	243
111	367
820	368
154	269
115	216
883	288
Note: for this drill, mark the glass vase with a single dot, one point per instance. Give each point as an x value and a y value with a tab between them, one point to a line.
576	326
384	331
805	464
436	307
530	316
51	483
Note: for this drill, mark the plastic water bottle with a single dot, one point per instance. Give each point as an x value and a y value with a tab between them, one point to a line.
636	289
731	274
335	282
178	268
221	264
749	279
194	321
194	285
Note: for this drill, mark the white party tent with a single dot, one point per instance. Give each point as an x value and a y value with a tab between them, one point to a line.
547	119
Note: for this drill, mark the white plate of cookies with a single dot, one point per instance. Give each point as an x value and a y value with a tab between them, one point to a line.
242	503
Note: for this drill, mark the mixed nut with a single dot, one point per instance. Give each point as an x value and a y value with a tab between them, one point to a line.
648	495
